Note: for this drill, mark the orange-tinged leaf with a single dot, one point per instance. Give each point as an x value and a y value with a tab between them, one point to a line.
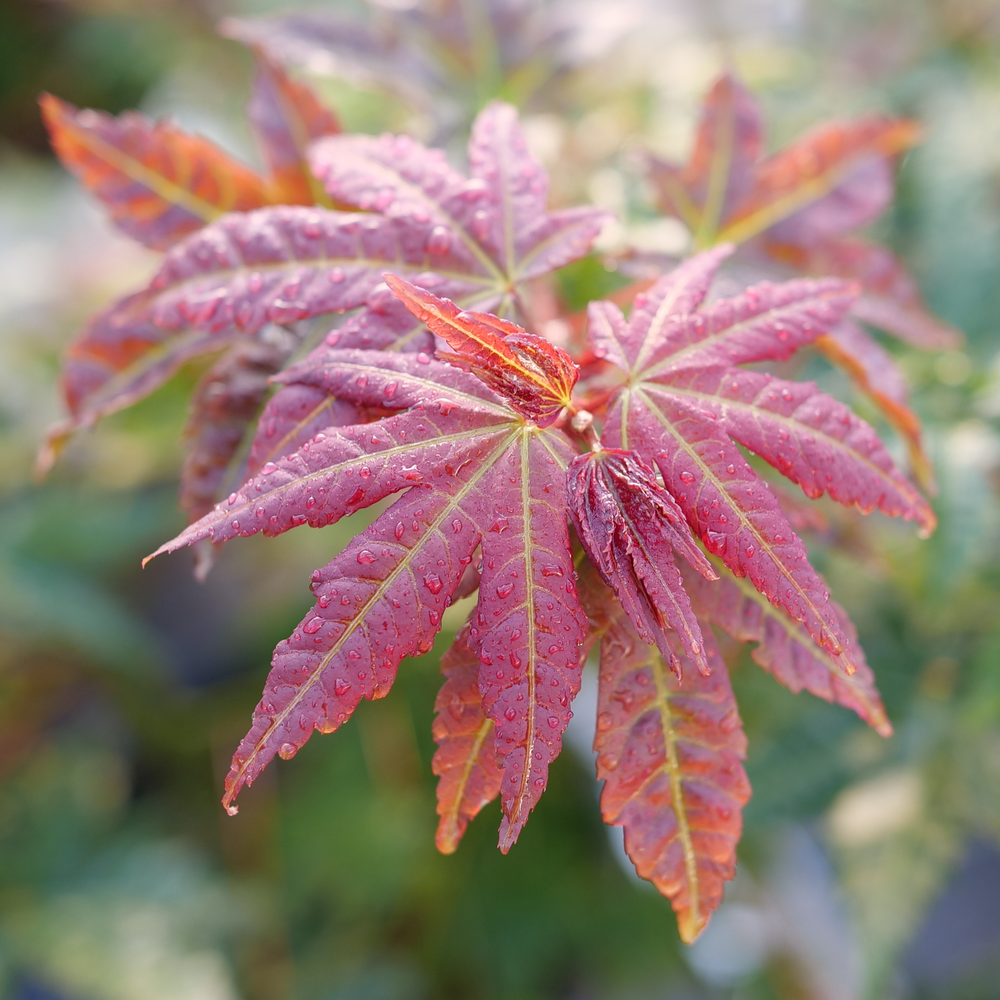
669	753
877	375
465	761
158	182
287	116
719	172
802	175
536	376
890	299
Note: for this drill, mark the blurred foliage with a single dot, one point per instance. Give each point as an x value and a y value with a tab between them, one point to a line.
122	693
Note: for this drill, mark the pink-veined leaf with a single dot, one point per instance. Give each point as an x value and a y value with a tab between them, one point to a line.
287	116
481	476
159	183
785	650
536	377
465	761
630	527
495	223
670	754
285	264
687	409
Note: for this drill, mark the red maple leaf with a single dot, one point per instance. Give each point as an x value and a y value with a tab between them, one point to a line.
477	428
802	206
484	459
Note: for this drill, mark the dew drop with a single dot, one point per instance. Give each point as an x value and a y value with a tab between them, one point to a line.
365	557
510	715
336	275
287	751
505	590
438	241
341	687
433	583
399	530
687	477
553	722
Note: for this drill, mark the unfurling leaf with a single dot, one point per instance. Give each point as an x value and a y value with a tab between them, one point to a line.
158	182
630	526
287	116
536	377
465	761
669	753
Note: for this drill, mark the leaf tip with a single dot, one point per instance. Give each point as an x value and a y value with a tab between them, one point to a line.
447	837
690	926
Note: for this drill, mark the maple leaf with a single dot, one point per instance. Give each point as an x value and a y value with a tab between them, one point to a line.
481	476
441	57
669	752
685	406
286	263
535	377
799	206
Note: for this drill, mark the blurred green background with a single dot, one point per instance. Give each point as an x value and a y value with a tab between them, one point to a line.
869	869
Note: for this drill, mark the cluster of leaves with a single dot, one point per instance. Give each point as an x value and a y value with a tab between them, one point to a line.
557	488
801	207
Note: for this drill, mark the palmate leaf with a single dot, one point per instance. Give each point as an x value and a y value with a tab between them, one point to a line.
799	206
481	476
669	751
442	56
476	473
284	264
685	407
